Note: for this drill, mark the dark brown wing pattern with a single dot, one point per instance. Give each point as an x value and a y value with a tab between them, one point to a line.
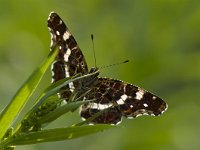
121	99
116	97
70	60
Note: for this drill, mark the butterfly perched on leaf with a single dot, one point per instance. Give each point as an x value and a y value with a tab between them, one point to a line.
116	97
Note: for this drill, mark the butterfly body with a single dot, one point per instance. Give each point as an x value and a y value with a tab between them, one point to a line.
117	97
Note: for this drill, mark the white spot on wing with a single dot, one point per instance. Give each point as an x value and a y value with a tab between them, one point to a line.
57	32
52	37
165	109
118	122
139	95
66	56
129	117
122	99
145	113
52	73
99	106
120	102
83	118
51	43
71	86
145	105
50	15
66	35
66	71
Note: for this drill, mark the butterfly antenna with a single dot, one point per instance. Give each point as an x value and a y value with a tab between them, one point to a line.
92	38
126	61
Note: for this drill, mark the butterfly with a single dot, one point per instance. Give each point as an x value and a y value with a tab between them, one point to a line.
119	99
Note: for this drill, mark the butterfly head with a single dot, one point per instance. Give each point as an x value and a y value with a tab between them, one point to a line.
95	72
94	69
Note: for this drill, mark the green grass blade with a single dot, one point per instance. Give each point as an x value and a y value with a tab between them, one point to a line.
56	134
60	111
19	100
55	87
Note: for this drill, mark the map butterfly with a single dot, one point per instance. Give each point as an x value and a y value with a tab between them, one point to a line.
116	97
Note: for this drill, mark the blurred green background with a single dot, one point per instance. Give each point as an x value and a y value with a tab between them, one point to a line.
161	38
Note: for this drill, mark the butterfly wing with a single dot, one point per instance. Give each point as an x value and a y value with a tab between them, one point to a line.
115	97
120	99
70	60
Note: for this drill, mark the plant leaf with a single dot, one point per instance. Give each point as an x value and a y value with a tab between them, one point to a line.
55	87
56	134
19	100
60	111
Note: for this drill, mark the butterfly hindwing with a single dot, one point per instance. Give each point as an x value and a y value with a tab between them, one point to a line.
122	98
115	97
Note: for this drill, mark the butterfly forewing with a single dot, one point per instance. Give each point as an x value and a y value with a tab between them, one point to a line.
116	97
70	56
70	60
